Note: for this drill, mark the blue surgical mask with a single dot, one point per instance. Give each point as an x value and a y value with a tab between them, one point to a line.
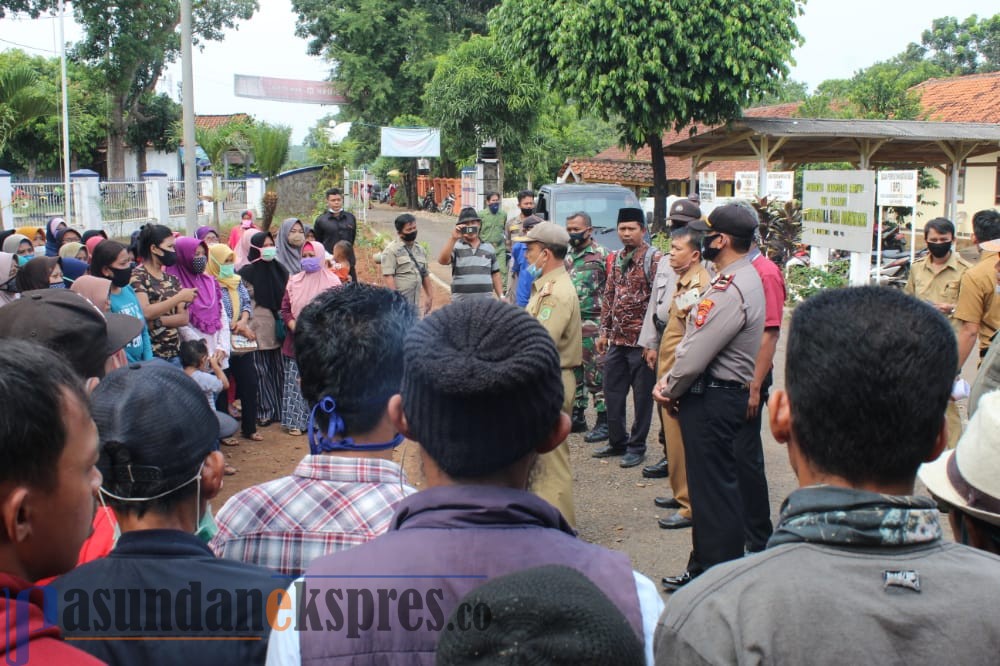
534	271
23	259
207	528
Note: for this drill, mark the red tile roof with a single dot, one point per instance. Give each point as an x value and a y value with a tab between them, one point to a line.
619	172
962	99
216	121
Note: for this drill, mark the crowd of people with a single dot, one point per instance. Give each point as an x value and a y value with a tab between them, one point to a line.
119	397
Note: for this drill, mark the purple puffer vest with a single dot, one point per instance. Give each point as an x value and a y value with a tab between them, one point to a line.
443	543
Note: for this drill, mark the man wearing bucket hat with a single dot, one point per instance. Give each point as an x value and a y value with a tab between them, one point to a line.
967	479
857	570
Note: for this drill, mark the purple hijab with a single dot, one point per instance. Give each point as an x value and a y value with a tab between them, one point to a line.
205	312
201	232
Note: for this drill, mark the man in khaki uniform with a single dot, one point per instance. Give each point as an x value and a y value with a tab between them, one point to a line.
978	306
691	279
935	279
404	264
556	306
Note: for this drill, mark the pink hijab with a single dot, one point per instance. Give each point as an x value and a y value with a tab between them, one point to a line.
92	243
236	233
94	289
303	287
242	249
205	312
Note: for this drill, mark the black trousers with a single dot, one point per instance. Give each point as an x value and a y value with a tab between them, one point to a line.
244	373
624	369
749	451
710	423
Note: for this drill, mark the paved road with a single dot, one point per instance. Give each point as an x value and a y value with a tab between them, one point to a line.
432	228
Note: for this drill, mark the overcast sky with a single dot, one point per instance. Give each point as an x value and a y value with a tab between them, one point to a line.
841	36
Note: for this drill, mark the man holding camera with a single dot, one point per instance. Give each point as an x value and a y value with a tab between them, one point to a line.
475	272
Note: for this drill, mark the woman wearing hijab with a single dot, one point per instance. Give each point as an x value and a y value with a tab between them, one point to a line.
8	275
72	269
291	237
97	291
243	248
53	227
91	245
20	246
205	314
74	250
110	260
302	288
246	223
238	307
163	300
266	279
207	234
40	273
35	234
68	235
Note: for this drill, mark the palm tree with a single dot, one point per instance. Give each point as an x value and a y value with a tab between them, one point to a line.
216	142
20	103
269	144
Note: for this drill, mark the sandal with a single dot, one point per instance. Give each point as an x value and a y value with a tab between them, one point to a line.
235	411
254	437
294	432
263	423
229	470
229	441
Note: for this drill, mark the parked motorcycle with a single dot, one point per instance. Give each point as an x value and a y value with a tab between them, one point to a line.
448	205
892	237
895	268
429	204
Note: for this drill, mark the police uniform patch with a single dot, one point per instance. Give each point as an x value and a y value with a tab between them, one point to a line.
703	309
545	313
722	282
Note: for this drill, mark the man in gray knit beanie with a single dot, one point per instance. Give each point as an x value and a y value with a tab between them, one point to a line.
482	396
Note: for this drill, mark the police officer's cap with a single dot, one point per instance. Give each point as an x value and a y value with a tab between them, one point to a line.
732	219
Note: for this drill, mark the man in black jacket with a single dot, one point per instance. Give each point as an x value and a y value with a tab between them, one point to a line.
336	224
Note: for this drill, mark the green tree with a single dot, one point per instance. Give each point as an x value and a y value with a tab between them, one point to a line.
382	53
963	47
269	144
477	93
151	126
217	142
131	42
20	100
647	64
787	91
37	145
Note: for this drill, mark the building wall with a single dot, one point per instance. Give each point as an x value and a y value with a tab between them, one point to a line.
981	191
168	163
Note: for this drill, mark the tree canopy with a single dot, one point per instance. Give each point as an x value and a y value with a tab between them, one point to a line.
649	65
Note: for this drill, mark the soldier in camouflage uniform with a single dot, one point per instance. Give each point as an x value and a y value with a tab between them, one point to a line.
587	266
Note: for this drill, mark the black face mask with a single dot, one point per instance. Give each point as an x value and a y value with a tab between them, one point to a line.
708	252
169	257
527	211
939	250
120	277
410	237
578	239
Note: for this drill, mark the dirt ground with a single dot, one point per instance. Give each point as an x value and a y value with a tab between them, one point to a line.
614	506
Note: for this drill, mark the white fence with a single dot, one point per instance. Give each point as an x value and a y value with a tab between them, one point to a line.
32	204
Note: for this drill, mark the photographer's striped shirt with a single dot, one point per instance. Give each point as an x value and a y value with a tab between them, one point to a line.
472	270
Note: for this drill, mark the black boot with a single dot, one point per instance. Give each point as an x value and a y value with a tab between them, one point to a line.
600	431
579	420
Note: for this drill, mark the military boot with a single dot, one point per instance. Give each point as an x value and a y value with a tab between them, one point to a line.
600	431
579	420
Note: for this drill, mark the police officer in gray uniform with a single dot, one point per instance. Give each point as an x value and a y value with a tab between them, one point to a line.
708	387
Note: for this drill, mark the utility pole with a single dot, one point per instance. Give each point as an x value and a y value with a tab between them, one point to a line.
187	91
67	192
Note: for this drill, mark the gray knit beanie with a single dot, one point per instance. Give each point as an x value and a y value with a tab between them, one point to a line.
481	386
546	615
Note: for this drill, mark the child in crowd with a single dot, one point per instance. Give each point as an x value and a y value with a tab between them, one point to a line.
343	260
197	363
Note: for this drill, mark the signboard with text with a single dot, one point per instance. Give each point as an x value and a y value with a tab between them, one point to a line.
838	209
780	185
287	90
897	188
706	187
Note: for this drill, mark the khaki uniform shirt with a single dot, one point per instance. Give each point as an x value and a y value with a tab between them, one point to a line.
977	298
687	294
555	305
939	287
408	271
723	332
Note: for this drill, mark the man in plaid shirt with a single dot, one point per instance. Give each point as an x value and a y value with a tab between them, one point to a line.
349	342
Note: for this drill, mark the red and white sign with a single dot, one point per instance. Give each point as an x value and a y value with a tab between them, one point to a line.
287	90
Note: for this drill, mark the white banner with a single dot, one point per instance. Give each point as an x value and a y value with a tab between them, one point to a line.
897	188
779	185
411	142
838	209
706	187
